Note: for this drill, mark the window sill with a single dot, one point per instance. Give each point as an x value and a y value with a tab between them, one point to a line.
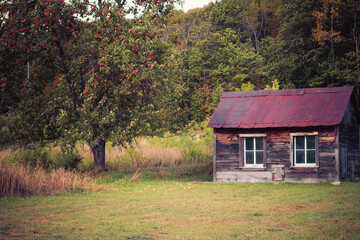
304	169
252	169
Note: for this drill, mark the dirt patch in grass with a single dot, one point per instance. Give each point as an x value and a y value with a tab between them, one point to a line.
296	209
14	232
151	215
56	215
344	222
284	209
40	221
80	228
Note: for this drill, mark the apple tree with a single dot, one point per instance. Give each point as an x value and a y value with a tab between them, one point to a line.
95	71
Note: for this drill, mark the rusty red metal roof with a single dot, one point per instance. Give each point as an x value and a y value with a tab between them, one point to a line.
282	108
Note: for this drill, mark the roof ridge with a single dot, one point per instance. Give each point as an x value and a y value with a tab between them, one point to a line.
285	92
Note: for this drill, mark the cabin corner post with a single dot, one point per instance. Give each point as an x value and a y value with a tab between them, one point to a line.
214	158
337	155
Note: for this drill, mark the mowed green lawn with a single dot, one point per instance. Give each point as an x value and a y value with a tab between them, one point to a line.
166	209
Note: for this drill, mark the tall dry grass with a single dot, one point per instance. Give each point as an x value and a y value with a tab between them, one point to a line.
21	179
150	153
24	180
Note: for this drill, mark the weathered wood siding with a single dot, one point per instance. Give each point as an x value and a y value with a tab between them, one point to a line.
278	148
227	151
277	153
349	145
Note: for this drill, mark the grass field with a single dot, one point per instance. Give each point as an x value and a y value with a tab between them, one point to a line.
136	207
161	189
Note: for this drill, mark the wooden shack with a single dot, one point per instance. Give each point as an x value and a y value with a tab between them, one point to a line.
297	135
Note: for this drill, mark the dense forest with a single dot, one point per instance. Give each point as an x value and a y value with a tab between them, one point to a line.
262	44
109	71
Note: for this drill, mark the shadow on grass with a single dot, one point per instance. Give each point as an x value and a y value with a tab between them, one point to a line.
183	173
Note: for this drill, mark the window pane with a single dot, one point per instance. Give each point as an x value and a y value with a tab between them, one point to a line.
249	157
249	143
259	157
310	142
300	157
259	143
310	155
300	142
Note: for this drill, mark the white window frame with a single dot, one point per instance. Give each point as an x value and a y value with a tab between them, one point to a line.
293	149
253	136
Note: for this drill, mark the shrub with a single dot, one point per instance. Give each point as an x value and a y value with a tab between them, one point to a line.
67	161
46	158
32	157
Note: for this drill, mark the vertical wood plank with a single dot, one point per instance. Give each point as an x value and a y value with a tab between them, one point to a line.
344	162
292	151
214	159
264	150
337	157
317	146
241	152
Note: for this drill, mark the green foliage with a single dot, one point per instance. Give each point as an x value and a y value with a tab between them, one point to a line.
229	14
219	53
274	86
68	161
32	157
45	158
247	87
216	97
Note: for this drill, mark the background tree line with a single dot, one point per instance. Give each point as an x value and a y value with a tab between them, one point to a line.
254	44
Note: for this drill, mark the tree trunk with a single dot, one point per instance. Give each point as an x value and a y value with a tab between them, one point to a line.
356	40
332	44
2	101
256	39
98	151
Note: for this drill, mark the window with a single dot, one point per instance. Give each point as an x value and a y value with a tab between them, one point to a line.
252	150
304	150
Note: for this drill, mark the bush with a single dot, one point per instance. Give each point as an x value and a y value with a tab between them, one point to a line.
67	161
32	157
45	159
